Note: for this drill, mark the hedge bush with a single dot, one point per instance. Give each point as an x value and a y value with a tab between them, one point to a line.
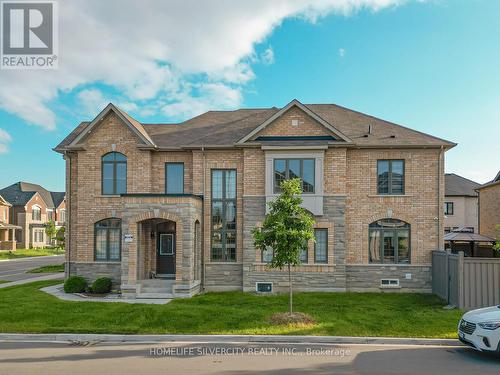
75	284
101	285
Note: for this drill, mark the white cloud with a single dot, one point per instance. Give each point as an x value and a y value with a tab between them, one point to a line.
341	52
159	55
267	56
5	139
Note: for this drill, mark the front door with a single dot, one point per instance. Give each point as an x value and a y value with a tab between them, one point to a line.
165	264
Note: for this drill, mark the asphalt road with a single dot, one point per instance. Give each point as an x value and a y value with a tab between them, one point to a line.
13	270
242	359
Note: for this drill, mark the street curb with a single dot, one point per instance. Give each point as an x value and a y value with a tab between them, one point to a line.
28	258
239	339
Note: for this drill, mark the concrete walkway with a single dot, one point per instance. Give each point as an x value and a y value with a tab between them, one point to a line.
57	291
51	276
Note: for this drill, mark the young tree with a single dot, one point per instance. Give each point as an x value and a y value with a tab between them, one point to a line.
286	229
50	230
60	237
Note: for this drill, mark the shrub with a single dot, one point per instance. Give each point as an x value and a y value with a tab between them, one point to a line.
75	284
101	285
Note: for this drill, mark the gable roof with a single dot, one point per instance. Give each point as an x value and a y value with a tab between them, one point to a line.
4	202
294	103
230	128
20	193
57	197
495	181
455	185
131	123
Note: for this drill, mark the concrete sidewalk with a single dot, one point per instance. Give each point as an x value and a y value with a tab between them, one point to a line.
226	339
52	276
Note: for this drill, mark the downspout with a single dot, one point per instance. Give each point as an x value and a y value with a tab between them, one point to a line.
440	203
203	268
68	216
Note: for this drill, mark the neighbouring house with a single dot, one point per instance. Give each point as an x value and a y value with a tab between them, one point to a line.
489	207
460	204
7	230
168	209
32	208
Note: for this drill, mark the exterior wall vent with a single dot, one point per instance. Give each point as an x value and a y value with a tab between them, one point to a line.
264	287
295	122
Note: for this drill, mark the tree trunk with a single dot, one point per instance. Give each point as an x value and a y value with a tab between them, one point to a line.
290	287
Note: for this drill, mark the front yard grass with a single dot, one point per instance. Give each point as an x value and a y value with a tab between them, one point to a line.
51	268
25	309
24	253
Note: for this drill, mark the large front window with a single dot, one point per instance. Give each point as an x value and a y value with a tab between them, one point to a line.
389	241
286	169
174	174
390	177
108	235
114	174
223	215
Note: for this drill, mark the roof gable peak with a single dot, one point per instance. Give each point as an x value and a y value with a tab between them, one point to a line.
134	125
304	108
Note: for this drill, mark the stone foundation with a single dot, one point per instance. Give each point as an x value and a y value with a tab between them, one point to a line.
94	270
366	278
222	277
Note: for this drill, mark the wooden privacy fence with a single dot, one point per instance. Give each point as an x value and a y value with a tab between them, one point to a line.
467	283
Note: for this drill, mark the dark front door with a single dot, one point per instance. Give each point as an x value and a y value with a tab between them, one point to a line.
165	264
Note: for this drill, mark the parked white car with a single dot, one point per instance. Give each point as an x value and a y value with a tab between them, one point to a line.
481	329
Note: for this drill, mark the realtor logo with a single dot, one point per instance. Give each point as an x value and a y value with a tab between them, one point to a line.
29	35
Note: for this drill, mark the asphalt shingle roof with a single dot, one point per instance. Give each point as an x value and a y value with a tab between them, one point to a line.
226	128
455	185
20	193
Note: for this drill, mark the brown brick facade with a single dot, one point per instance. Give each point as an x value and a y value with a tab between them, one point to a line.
350	204
489	210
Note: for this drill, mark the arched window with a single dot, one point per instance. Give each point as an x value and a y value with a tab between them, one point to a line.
36	213
389	241
107	239
114	174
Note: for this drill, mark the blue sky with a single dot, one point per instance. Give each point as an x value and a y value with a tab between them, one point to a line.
433	66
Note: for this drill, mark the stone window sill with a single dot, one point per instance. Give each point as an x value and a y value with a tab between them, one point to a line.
302	265
390	195
389	287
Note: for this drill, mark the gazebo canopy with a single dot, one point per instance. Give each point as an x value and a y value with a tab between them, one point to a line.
467	237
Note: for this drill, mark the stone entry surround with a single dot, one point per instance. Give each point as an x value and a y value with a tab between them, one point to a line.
137	210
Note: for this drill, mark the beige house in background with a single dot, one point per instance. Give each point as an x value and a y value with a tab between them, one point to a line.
7	230
460	204
489	207
32	207
167	210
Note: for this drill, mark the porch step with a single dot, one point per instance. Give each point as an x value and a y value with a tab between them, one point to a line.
155	295
157	283
155	289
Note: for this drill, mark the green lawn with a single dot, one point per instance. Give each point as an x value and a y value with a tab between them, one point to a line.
25	309
4	281
24	253
51	268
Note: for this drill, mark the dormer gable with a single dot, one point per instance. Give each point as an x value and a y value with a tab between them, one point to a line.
295	122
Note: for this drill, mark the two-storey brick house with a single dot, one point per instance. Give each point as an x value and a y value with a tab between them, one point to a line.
32	207
168	209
